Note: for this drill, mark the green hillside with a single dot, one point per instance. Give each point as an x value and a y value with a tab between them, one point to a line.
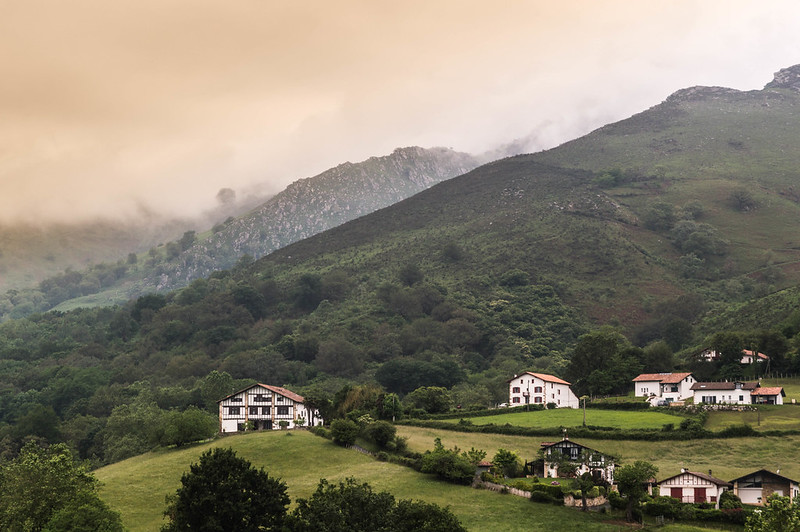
675	224
136	487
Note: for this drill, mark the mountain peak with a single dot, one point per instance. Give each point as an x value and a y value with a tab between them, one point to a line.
786	78
700	93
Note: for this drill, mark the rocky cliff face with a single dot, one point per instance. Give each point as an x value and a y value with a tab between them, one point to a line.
786	78
310	206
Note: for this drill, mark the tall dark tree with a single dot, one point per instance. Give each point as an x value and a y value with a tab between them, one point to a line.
225	493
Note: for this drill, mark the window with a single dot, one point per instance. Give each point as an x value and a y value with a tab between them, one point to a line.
515	389
537	399
261	398
559	391
265	410
283	410
280	399
741	398
515	399
253	410
233	410
236	399
537	389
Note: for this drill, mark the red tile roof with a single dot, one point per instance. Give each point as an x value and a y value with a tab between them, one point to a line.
543	376
276	389
709	478
774	390
284	392
665	378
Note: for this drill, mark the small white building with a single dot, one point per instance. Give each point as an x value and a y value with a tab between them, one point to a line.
748	356
264	407
540	389
692	487
731	393
756	487
666	386
586	460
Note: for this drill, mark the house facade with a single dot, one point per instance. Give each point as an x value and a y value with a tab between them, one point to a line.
737	393
692	487
586	459
264	407
666	386
540	389
756	487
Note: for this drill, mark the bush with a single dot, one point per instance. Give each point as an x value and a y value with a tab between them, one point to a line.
729	501
617	501
541	496
447	464
344	431
381	432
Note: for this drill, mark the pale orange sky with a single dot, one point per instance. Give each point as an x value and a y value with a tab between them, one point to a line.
110	107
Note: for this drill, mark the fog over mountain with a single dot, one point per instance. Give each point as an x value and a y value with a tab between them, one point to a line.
156	105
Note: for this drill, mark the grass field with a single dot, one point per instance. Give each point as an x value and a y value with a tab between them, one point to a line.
768	417
137	487
728	458
571	417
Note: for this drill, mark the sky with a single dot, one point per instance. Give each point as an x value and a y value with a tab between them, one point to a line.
123	108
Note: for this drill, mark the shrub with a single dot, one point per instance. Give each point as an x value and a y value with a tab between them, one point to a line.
729	501
447	464
617	501
344	431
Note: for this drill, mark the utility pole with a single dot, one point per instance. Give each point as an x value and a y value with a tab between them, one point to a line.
583	398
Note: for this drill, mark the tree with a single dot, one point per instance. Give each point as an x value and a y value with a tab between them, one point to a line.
344	431
432	399
779	515
357	508
632	483
507	463
223	492
41	487
448	464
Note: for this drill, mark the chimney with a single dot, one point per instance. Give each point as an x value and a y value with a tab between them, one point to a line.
683	470
709	473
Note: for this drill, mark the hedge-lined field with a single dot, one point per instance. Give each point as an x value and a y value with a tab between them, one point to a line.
727	458
570	417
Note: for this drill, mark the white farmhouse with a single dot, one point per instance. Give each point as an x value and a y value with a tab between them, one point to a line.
669	387
264	407
540	389
584	459
692	487
732	393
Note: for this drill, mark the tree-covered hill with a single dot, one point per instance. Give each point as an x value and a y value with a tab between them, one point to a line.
658	225
306	207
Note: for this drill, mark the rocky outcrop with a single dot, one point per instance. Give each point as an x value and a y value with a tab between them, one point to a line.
310	206
786	78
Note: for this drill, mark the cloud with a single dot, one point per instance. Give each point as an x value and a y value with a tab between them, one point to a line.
108	106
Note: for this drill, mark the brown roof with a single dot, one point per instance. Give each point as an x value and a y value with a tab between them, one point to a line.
724	385
772	390
276	389
284	392
709	478
665	378
543	376
764	472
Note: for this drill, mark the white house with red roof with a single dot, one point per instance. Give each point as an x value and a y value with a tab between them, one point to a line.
748	356
693	487
664	386
768	395
540	389
262	406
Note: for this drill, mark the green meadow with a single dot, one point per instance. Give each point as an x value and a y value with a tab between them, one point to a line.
136	487
727	458
570	417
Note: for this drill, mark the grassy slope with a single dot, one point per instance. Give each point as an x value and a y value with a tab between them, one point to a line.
727	458
569	417
137	486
